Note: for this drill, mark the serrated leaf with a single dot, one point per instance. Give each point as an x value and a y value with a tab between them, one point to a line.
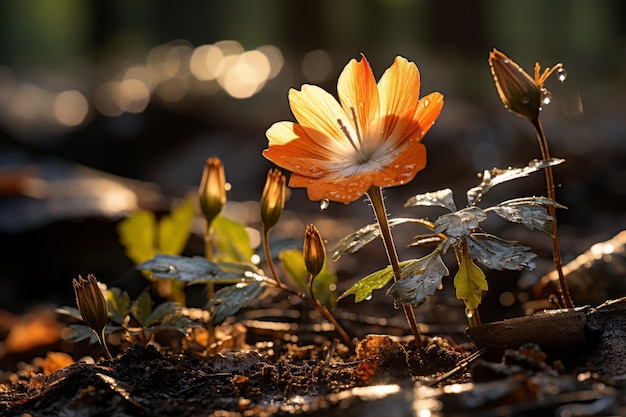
138	235
442	198
363	288
420	278
460	223
470	283
191	270
493	177
355	241
528	211
231	240
173	230
118	303
81	332
160	312
231	299
496	253
142	307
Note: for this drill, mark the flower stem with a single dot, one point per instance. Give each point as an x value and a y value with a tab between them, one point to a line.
103	342
327	314
375	195
268	255
566	298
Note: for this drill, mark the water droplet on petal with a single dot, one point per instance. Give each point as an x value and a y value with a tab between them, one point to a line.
324	204
369	297
561	74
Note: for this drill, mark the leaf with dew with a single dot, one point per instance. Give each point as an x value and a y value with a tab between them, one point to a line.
496	176
442	198
529	211
470	283
460	223
497	253
363	288
192	270
420	278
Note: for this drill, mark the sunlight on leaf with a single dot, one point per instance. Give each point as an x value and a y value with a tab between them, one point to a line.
460	223
173	230
493	177
138	235
161	311
442	198
231	240
362	290
355	241
118	302
231	299
292	262
470	283
421	278
530	212
193	270
497	253
81	332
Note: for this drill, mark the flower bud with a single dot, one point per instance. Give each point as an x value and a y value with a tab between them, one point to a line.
519	92
273	198
212	191
314	251
91	303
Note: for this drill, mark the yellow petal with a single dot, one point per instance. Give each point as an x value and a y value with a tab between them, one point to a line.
399	89
358	93
319	114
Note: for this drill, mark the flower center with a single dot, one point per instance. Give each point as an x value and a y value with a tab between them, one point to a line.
357	146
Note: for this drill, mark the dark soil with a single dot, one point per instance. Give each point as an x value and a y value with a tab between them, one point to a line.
383	375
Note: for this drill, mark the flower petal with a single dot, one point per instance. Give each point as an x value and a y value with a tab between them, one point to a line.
320	114
399	89
425	116
291	148
358	93
409	162
343	190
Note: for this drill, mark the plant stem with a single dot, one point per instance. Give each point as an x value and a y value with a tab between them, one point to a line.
268	255
375	195
103	342
566	298
327	314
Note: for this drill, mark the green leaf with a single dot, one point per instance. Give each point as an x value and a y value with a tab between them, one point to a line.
138	235
72	312
460	223
175	321
231	299
355	241
194	270
420	278
470	283
363	288
496	253
493	177
142	307
231	240
173	230
441	198
118	303
529	211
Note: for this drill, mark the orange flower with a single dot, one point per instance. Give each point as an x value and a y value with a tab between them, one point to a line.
371	137
519	92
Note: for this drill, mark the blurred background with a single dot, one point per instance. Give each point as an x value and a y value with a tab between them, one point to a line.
110	106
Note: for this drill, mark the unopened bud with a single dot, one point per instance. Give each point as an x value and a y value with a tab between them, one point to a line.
91	303
314	251
212	191
273	198
520	93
